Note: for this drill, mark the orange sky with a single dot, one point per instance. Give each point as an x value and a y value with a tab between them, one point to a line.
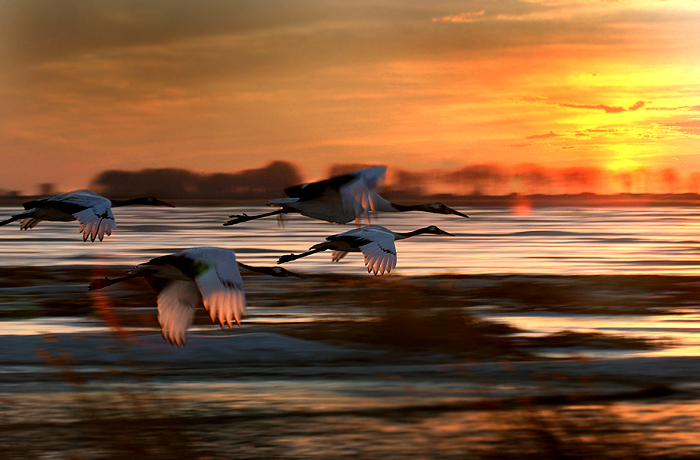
222	86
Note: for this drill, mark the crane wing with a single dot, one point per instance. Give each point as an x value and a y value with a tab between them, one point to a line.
379	251
221	286
93	211
339	199
79	197
338	255
359	193
177	303
96	221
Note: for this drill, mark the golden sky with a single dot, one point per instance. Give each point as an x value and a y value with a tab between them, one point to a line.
219	86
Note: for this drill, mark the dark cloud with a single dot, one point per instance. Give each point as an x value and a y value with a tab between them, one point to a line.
46	30
279	32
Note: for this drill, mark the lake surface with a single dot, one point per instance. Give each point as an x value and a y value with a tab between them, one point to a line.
549	241
259	395
492	241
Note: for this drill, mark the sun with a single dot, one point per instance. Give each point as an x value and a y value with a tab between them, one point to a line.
623	165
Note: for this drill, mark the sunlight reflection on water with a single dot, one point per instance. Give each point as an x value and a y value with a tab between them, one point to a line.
547	241
680	333
492	241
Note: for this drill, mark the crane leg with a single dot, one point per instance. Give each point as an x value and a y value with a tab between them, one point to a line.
238	218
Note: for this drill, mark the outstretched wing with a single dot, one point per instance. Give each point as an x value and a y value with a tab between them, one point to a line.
360	193
96	222
221	285
338	255
177	302
375	242
380	252
93	211
339	199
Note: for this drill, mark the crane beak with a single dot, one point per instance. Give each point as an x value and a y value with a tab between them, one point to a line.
443	232
456	213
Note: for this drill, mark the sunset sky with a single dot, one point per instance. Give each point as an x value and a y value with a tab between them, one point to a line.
220	86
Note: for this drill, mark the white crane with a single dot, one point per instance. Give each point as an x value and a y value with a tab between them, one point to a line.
375	242
202	276
92	211
341	199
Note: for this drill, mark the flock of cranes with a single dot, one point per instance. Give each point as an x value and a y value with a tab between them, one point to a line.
210	277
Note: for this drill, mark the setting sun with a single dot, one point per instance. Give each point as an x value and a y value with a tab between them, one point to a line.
623	165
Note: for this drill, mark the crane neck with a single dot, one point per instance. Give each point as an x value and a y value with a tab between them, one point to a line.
129	202
408	207
404	235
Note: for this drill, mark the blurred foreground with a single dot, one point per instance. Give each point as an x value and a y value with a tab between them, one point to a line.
335	366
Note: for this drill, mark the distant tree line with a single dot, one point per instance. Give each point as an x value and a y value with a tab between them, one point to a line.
170	183
471	180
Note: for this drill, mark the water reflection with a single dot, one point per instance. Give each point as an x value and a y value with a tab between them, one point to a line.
551	241
255	395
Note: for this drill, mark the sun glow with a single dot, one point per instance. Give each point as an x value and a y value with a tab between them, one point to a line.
622	165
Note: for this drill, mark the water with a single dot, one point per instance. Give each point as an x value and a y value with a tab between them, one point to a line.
306	393
493	241
549	241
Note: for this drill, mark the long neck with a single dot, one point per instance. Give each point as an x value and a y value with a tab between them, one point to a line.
403	236
129	202
408	207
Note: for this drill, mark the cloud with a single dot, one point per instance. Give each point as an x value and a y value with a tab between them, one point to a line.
608	109
687	108
462	17
636	106
602	130
693	123
543	136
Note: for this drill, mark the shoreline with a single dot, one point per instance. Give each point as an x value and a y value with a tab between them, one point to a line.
585	200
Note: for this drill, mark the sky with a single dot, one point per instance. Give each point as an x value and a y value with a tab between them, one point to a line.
219	86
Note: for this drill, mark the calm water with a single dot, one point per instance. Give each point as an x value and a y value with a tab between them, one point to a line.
560	241
553	241
492	241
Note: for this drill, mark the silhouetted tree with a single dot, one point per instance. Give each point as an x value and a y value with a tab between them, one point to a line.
261	183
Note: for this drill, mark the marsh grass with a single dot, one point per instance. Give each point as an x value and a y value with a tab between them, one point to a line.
134	420
434	316
129	421
593	431
137	422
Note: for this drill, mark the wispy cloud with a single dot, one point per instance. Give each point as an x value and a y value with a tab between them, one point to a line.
462	17
607	108
686	108
543	136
